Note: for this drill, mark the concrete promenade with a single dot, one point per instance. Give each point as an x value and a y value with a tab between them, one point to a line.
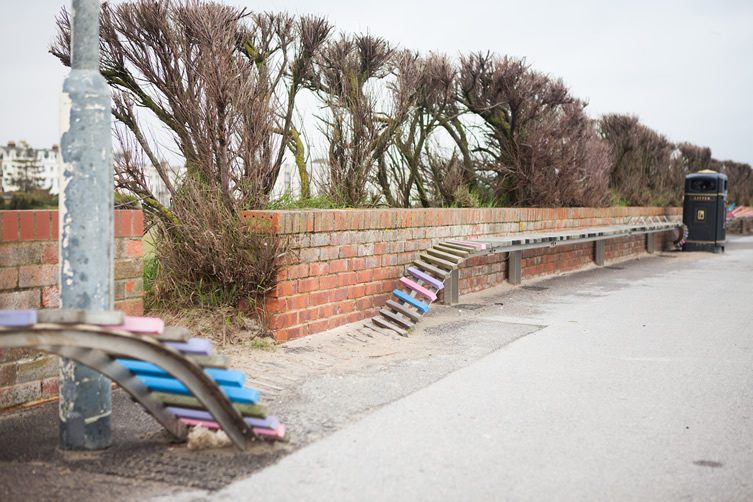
640	390
628	382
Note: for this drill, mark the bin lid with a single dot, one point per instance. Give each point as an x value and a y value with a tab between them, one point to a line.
706	181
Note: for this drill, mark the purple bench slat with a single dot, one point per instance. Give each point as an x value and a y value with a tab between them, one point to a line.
16	318
192	346
426	277
418	289
270	422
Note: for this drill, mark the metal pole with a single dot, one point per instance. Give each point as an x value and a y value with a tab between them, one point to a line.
86	226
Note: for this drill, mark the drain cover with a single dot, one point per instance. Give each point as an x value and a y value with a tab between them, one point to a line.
615	268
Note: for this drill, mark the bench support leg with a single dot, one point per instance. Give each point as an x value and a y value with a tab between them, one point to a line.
650	247
514	266
452	288
599	253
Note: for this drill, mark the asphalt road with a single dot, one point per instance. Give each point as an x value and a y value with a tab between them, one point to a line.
639	386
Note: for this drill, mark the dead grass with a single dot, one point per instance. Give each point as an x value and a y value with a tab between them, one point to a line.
225	326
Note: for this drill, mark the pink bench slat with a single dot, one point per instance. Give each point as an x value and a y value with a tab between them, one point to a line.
418	289
478	245
276	433
148	325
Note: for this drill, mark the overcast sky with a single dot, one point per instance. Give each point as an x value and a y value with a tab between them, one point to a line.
684	67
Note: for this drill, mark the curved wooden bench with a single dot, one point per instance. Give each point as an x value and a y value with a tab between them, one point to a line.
99	346
437	267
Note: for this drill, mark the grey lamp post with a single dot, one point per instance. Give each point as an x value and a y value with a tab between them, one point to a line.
86	226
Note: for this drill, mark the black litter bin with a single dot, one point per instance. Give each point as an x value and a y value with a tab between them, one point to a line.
703	211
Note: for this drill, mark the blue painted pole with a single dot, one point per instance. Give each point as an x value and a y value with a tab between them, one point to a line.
86	226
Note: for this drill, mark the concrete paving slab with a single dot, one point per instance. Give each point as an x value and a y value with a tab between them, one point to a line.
640	390
325	385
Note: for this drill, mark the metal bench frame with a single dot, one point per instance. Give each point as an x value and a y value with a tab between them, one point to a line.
514	245
98	346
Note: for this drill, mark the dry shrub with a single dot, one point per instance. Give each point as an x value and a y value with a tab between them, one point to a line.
538	140
645	169
740	178
208	257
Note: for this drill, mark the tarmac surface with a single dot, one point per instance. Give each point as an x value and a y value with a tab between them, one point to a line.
632	381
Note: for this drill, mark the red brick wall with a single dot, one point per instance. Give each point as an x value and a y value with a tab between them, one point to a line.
553	260
29	280
344	263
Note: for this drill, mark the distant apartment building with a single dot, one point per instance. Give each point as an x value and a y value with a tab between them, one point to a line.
24	167
157	186
289	180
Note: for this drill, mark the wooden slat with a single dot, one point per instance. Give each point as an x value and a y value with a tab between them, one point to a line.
445	256
418	288
192	346
462	253
231	378
477	245
462	247
78	316
17	318
208	361
403	309
147	325
174	334
391	316
250	410
435	271
437	261
277	432
269	422
423	307
427	278
381	321
243	395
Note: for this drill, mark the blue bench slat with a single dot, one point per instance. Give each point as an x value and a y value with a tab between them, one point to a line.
245	395
231	378
426	277
424	308
16	318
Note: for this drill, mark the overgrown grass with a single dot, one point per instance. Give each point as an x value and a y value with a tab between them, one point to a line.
209	261
222	325
289	201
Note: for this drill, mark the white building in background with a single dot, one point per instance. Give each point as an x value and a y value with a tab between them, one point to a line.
157	185
43	165
289	181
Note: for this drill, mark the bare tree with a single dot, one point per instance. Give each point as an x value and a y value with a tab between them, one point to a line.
220	81
644	170
349	75
215	86
693	157
536	133
740	181
400	173
420	168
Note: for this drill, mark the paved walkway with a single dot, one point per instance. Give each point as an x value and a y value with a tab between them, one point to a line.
637	388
